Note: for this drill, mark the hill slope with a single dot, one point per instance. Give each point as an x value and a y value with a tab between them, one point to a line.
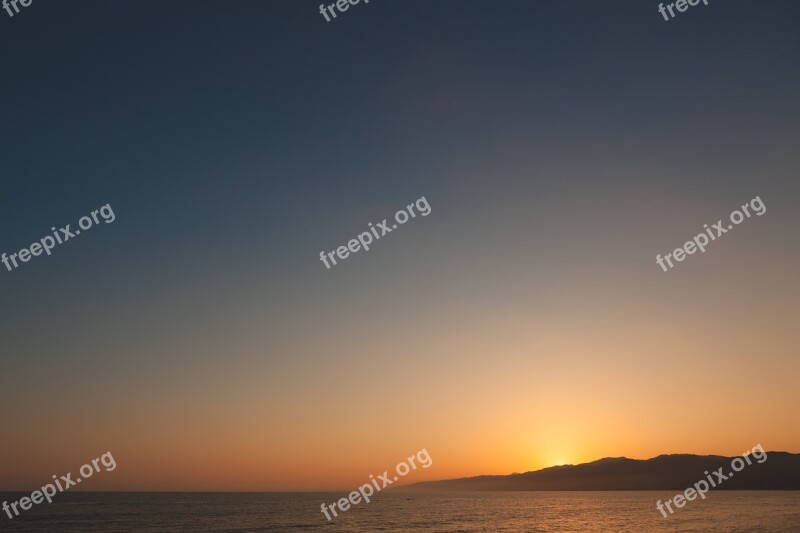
781	471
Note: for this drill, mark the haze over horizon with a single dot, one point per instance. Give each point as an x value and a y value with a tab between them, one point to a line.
524	323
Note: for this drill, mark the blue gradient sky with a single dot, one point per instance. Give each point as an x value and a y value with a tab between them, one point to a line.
561	145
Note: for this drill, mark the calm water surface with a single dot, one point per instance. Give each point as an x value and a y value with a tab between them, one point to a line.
634	512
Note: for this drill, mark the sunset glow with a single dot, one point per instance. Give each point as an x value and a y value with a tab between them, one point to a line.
523	323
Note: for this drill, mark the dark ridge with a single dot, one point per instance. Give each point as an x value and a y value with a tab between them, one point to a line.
780	471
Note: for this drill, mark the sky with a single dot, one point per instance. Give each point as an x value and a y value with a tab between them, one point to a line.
523	323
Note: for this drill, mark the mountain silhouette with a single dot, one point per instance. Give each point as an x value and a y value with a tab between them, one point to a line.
780	471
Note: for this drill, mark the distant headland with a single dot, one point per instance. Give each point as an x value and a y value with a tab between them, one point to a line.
666	472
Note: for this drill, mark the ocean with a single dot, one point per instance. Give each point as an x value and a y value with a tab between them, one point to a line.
634	512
